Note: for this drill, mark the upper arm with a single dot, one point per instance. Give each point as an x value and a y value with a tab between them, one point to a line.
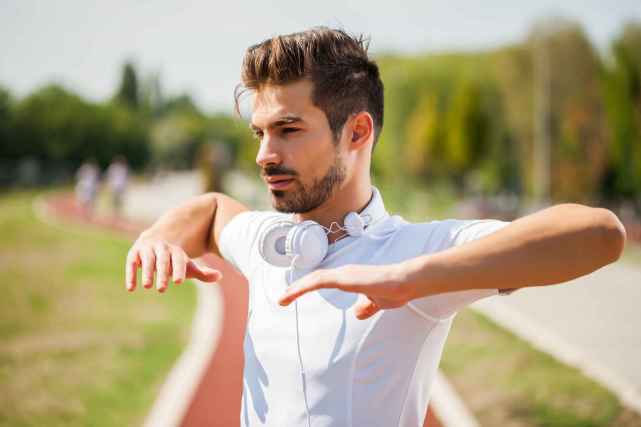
226	209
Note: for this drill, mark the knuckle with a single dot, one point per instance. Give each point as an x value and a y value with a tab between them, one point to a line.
178	258
132	255
160	245
148	254
161	256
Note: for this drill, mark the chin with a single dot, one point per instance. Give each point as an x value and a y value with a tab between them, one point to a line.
279	202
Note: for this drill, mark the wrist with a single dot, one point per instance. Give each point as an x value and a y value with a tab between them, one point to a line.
149	234
157	234
403	274
413	279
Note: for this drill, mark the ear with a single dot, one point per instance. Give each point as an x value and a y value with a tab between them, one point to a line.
362	129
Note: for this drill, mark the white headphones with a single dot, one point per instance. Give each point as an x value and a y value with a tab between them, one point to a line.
304	245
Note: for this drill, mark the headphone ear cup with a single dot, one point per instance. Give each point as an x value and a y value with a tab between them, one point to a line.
354	224
307	244
271	244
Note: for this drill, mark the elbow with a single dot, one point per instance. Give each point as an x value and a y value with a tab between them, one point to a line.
612	234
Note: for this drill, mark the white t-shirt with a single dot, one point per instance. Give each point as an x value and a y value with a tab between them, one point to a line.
314	359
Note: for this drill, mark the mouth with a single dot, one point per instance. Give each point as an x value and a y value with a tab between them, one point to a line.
278	182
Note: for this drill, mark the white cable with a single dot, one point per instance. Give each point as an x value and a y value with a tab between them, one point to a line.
300	355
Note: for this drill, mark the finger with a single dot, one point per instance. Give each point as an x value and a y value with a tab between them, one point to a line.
148	258
366	309
178	265
202	273
320	279
131	269
162	267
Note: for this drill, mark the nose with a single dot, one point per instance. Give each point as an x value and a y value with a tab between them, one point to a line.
267	153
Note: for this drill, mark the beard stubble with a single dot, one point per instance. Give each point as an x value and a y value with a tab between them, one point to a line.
304	199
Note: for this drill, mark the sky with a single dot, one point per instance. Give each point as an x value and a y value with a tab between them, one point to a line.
197	46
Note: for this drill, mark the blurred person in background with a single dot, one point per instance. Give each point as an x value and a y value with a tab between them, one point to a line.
349	306
213	161
87	181
117	176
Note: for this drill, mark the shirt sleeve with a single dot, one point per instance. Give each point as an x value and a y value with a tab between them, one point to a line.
444	235
238	239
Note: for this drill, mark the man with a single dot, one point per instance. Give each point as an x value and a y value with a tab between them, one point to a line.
117	174
87	180
354	339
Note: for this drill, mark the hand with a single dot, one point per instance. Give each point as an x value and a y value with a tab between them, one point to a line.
381	286
165	259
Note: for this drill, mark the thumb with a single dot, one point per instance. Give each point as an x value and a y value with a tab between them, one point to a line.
202	273
365	308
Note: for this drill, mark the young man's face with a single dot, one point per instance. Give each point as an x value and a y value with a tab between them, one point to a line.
299	158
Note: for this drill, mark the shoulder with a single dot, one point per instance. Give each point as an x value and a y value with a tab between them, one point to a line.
249	222
444	233
238	237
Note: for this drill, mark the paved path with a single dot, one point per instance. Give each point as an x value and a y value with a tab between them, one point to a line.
146	201
594	320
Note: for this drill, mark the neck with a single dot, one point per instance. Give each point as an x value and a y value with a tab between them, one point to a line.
352	197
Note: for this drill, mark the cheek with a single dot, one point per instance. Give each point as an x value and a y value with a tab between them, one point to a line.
316	158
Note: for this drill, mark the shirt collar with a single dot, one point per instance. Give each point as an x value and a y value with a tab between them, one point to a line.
375	209
373	212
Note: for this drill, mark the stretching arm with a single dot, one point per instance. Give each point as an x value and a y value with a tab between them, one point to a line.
168	247
551	246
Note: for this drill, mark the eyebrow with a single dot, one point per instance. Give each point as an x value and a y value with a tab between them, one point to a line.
285	120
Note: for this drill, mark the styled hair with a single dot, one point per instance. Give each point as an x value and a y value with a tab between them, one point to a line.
345	81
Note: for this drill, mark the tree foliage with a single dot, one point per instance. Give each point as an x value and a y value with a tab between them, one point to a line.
128	92
476	119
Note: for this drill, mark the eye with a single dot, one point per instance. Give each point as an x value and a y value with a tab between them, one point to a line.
258	135
290	130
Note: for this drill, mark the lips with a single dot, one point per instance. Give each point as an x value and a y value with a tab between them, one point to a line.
278	182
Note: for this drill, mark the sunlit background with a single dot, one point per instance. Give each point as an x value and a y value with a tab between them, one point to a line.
492	109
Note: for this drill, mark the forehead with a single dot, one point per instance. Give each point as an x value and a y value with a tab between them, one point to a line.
273	102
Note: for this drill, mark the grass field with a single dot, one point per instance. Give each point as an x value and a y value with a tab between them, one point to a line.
632	254
76	349
506	382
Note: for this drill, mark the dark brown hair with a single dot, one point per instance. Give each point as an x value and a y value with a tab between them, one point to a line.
345	80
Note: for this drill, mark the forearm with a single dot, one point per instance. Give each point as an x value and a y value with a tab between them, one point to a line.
188	226
551	246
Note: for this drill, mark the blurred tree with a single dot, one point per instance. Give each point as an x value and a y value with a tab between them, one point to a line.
622	85
559	69
7	142
60	129
176	138
6	119
408	82
468	127
235	134
128	91
576	122
180	103
444	119
151	95
424	139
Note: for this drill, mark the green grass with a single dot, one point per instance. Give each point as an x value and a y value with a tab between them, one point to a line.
504	381
632	254
76	349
